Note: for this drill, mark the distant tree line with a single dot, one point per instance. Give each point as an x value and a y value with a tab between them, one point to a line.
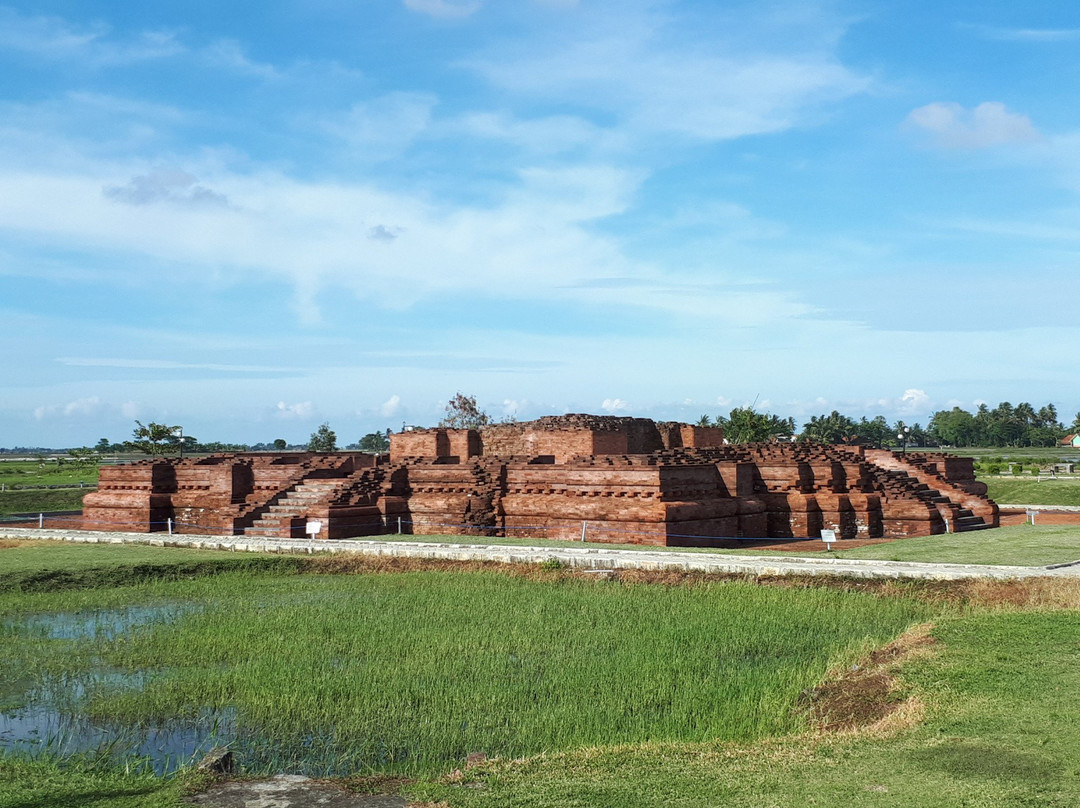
1004	425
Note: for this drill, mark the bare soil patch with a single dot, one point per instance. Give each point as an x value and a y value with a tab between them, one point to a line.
868	694
1045	517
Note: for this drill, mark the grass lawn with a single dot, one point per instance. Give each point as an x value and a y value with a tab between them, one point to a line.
46	472
990	723
41	500
1029	491
1014	545
47	565
584	692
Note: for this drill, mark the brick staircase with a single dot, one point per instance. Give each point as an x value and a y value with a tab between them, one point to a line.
286	514
915	478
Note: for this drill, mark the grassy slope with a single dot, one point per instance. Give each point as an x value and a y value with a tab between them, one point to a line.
412	671
1015	545
1028	491
41	500
1001	697
47	784
46	565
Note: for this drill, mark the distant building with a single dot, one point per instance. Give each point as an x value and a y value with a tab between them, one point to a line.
1071	440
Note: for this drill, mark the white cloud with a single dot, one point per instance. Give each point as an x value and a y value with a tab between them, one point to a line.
1027	34
129	409
646	69
989	124
229	54
390	407
81	407
614	405
553	134
914	401
444	8
300	410
45	37
164	185
382	128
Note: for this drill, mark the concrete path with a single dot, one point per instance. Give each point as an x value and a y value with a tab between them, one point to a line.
589	557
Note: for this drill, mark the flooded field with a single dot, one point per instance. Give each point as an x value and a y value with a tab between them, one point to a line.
337	674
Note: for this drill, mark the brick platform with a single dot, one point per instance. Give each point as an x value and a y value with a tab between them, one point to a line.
622	480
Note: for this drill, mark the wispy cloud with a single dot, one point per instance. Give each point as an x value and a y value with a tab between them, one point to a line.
164	185
167	364
300	410
230	55
988	124
53	38
1025	34
634	70
444	8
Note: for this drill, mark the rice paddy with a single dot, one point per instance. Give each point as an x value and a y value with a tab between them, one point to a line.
411	672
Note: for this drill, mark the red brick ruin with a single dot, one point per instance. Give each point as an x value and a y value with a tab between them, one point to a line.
609	479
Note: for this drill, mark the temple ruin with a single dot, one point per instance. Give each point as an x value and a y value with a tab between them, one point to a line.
601	478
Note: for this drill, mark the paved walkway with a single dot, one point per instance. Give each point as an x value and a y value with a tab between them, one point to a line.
590	557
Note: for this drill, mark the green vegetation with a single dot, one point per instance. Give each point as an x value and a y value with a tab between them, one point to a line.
583	691
1015	545
41	500
1033	492
49	566
47	471
22	482
1000	694
82	783
411	672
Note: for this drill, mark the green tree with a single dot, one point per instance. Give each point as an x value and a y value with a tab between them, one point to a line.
463	413
154	439
84	456
103	445
323	439
875	432
280	445
955	427
831	428
746	425
374	443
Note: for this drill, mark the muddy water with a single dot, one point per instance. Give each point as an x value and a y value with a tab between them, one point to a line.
47	713
43	713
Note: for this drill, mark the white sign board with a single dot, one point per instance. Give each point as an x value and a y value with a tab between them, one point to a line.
313	527
828	536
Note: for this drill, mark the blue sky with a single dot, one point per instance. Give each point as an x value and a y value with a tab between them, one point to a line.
249	223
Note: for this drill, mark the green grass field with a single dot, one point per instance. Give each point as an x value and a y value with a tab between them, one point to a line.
1014	545
585	692
41	500
46	472
1031	491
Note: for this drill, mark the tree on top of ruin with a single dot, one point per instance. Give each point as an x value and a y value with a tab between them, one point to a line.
154	439
463	413
323	439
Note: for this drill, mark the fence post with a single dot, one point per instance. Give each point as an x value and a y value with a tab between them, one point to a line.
399	525
947	525
584	527
41	520
169	520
